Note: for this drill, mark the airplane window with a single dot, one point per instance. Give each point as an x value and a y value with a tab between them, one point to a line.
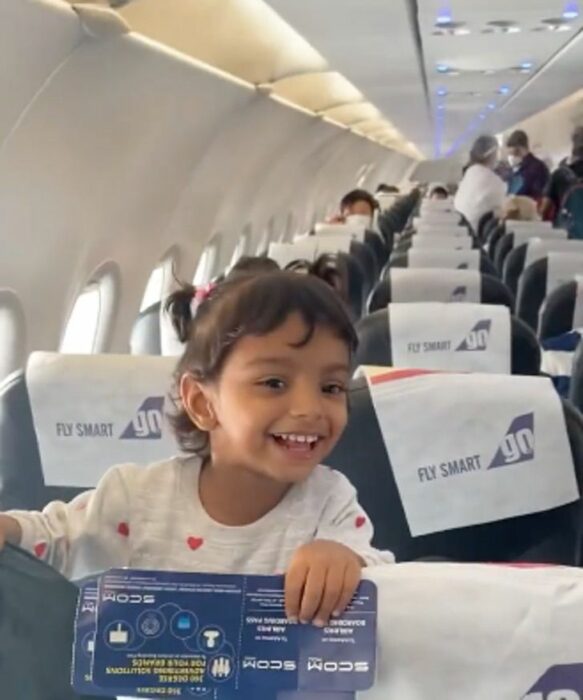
81	331
158	283
87	330
11	333
242	245
264	243
207	263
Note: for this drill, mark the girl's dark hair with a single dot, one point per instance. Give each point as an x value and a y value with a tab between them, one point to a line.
238	307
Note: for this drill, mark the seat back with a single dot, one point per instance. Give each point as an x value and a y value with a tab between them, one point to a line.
377	345
528	253
36	629
517	236
540	279
560	312
576	386
410	285
72	417
444	259
552	536
22	484
145	338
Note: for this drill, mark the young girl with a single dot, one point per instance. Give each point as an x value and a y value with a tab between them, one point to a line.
262	400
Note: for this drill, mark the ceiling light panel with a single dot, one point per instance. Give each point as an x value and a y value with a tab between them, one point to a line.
499	57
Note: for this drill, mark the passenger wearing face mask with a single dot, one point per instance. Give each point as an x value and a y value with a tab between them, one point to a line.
481	190
358	207
530	175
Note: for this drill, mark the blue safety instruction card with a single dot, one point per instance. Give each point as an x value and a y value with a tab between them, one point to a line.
224	637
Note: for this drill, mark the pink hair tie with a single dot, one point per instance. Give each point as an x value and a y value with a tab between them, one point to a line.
201	294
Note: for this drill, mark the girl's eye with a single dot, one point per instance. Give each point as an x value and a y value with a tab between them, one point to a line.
334	388
273	383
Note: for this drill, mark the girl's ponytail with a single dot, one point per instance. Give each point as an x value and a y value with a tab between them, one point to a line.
178	306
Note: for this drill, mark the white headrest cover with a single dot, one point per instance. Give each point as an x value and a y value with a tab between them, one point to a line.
470	449
357	231
447	259
424	240
461	631
456	337
93	411
285	253
525	235
443	230
417	284
563	267
333	244
538	248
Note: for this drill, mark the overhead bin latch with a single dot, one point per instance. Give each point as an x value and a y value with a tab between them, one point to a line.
99	20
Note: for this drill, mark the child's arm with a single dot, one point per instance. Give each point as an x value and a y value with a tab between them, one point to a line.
324	574
89	534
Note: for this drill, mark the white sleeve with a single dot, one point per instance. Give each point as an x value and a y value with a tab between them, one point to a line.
345	521
88	535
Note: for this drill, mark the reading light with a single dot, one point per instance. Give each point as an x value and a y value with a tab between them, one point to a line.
571	10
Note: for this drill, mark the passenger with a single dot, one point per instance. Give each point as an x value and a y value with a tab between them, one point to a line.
481	191
254	264
566	175
329	268
439	193
357	207
530	175
387	189
261	400
520	209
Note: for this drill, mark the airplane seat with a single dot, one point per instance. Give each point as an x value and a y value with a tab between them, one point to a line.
502	249
558	313
22	484
376	346
460	260
495	233
552	536
357	284
68	418
576	385
145	338
484	221
490	226
366	258
412	285
375	242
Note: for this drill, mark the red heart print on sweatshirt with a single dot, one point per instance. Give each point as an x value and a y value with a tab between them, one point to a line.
194	543
123	529
40	549
360	521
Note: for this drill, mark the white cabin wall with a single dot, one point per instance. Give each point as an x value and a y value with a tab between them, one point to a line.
115	149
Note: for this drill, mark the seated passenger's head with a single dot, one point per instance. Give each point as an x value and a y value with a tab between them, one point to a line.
484	151
268	357
438	193
518	147
331	269
517	208
359	207
387	189
249	264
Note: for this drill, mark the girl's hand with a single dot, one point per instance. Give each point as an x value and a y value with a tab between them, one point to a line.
321	581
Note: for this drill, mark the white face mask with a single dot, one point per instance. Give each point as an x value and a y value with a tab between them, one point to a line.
514	161
359	220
